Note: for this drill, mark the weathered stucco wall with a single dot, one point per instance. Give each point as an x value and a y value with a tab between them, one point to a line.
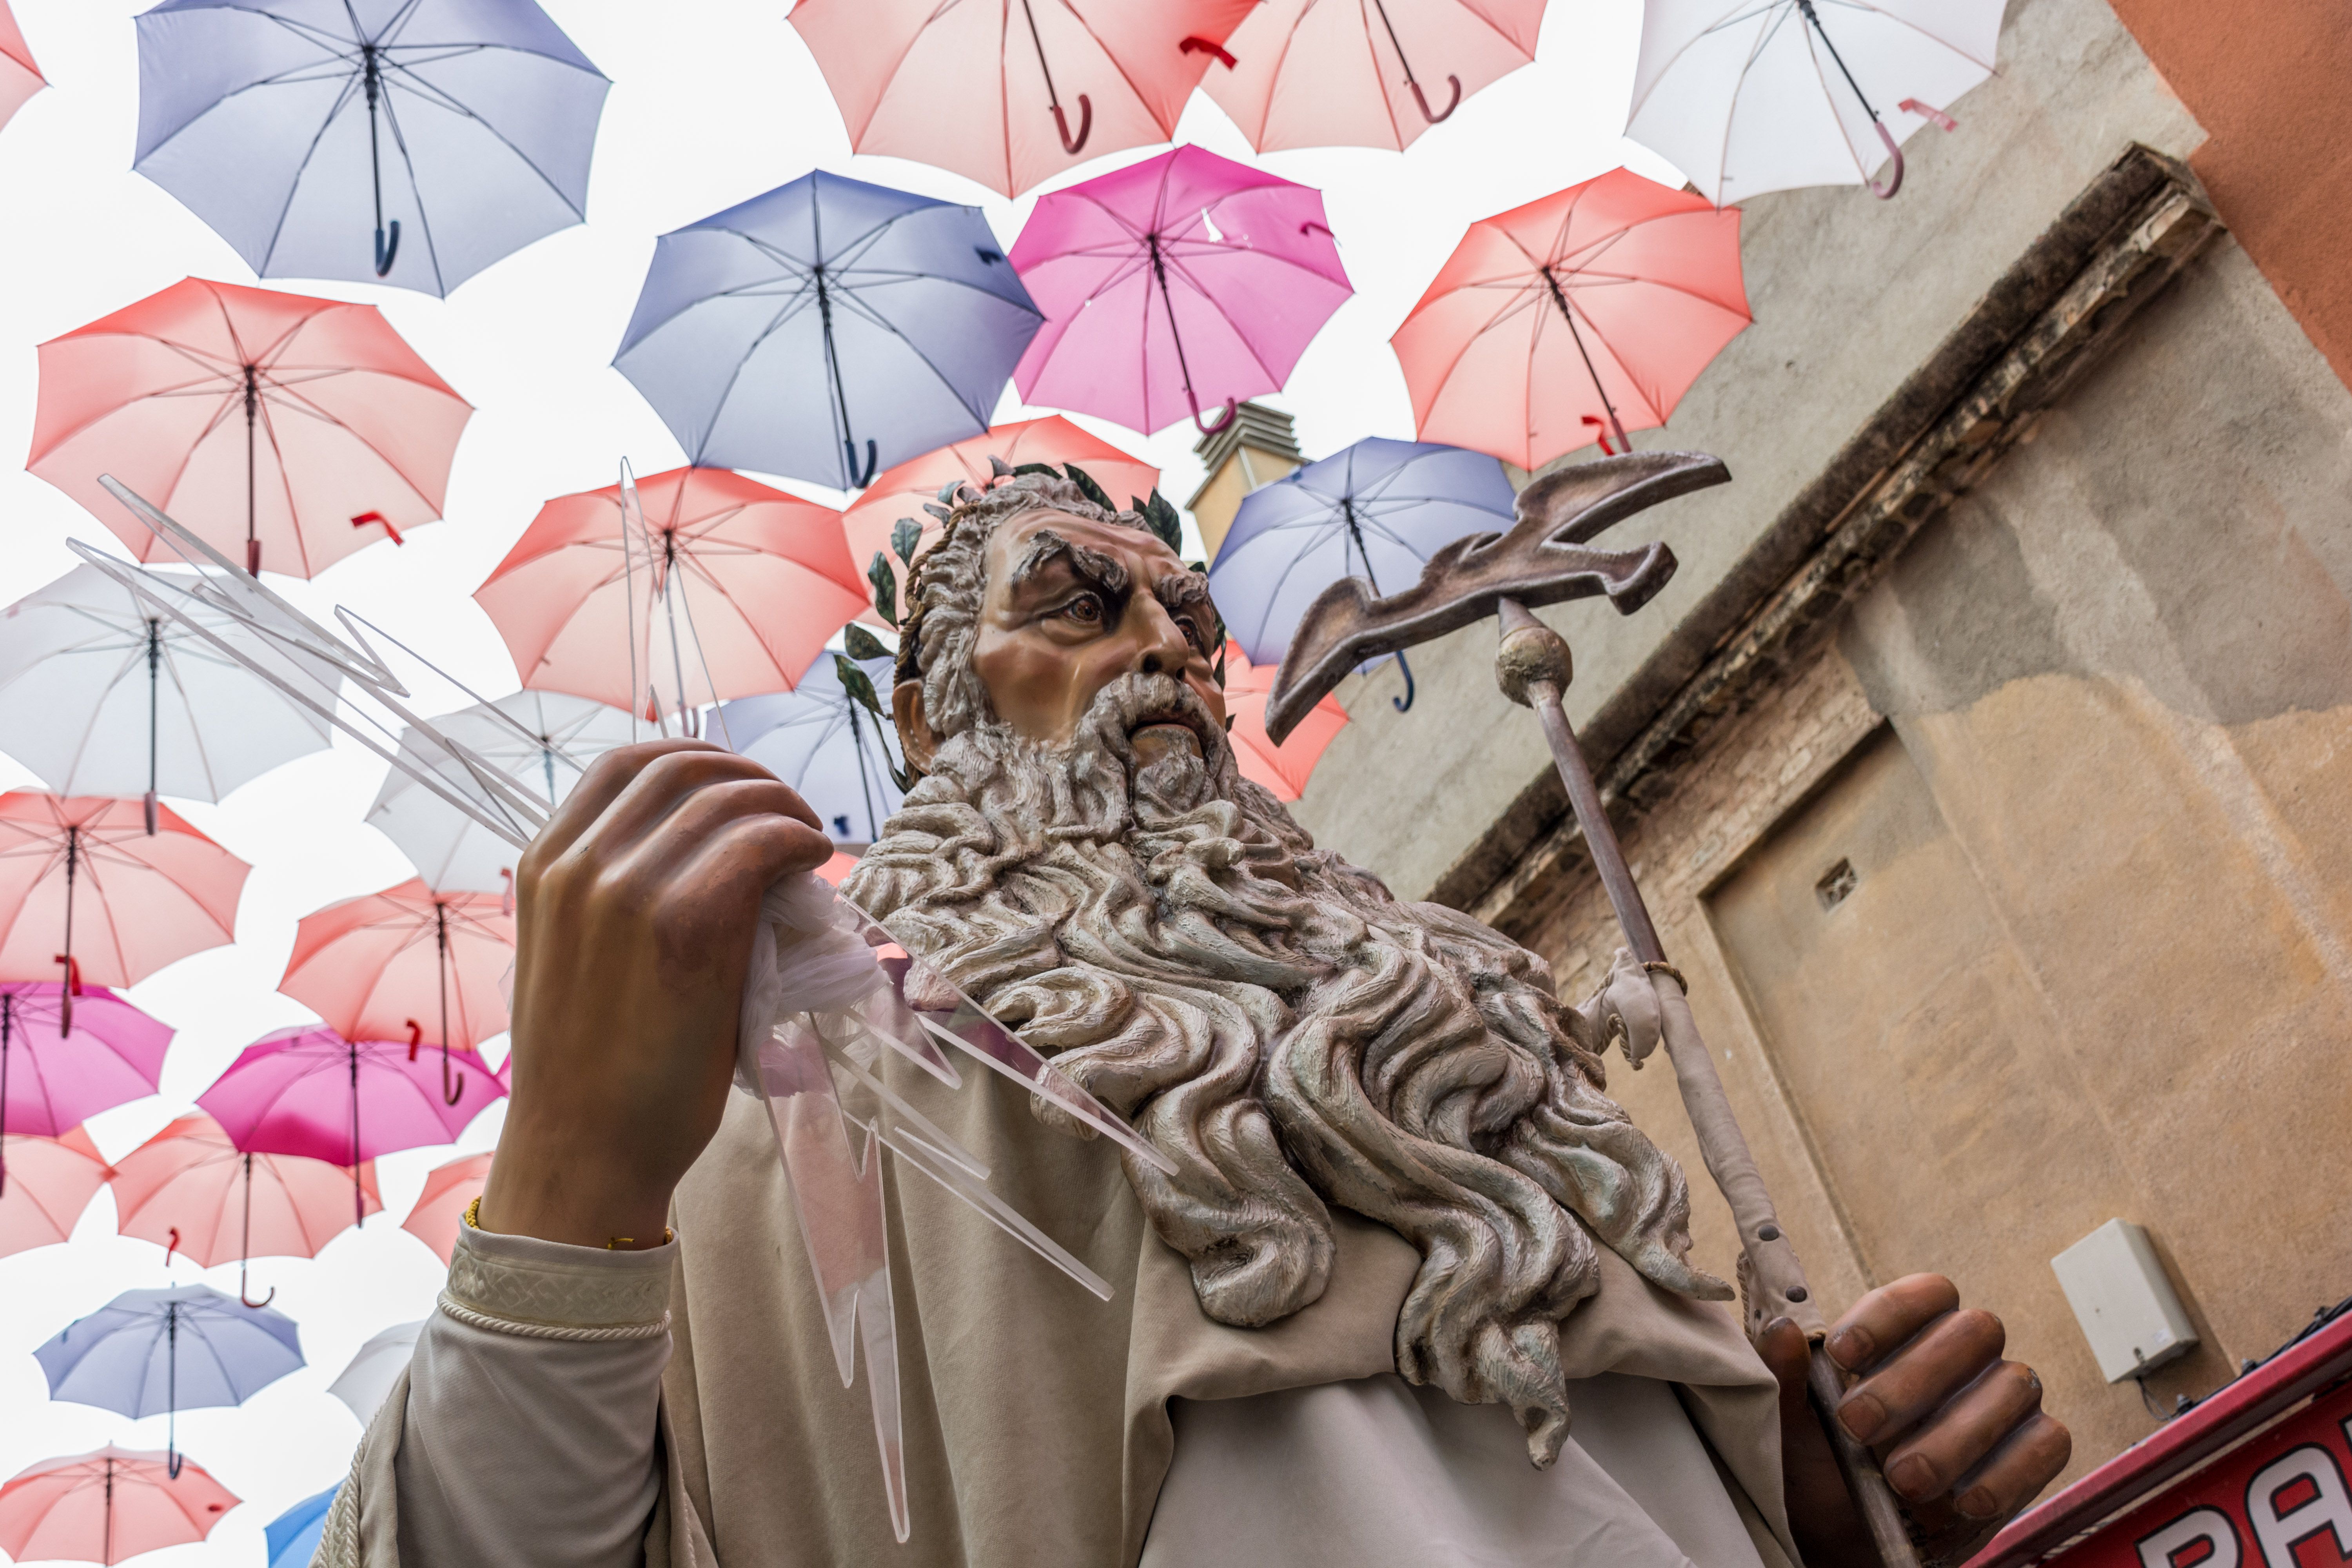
1850	295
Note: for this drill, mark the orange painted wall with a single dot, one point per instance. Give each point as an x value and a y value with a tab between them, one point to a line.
2270	81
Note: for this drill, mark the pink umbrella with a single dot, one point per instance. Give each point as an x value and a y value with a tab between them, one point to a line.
1282	769
51	1180
1573	318
733	591
20	79
189	1189
311	1092
107	1505
1010	94
1186	279
1325	73
901	492
147	899
52	1081
304	425
441	1207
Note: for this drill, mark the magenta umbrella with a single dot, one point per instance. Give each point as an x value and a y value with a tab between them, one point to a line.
53	1080
1182	281
311	1092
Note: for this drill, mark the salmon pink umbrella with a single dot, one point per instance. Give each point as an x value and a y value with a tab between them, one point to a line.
1282	769
1012	92
189	1189
440	1209
306	427
1573	318
52	1079
726	588
20	79
107	1505
51	1182
1173	285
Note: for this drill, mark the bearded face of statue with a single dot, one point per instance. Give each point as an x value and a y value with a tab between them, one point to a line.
1085	860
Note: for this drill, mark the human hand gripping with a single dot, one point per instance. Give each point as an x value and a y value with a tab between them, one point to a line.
636	906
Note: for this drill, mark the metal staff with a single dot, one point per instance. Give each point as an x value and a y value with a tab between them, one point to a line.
1543	560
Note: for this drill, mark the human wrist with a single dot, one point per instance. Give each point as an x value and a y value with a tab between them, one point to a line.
577	1198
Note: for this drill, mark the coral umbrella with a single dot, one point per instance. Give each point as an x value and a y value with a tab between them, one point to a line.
1573	318
306	425
53	1079
1282	769
1339	73
51	1182
901	492
821	741
107	1505
725	589
1182	281
292	1538
190	1189
147	899
441	1207
20	79
1009	94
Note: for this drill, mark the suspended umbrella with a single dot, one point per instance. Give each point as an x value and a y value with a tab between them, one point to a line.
725	589
189	1189
148	898
49	1182
311	1092
20	79
1010	94
543	741
150	1353
826	329
1376	510
293	127
367	1380
307	425
107	1505
101	693
1340	73
901	492
821	741
1573	318
1181	282
440	1208
1751	96
64	1059
292	1538
1282	769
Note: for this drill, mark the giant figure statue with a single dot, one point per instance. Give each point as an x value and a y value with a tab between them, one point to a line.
1416	1292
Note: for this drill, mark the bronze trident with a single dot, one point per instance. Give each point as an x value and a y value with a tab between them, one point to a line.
1544	560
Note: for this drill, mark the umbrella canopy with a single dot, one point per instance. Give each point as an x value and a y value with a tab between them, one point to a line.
1282	769
292	1538
49	1183
826	329
731	589
1008	95
365	1382
406	963
1174	285
310	1091
102	694
305	428
20	79
824	744
107	1505
146	899
901	492
542	739
1749	96
1342	73
441	1207
1573	318
158	1352
453	132
56	1073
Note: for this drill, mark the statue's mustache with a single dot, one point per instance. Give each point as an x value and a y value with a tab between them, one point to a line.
1133	701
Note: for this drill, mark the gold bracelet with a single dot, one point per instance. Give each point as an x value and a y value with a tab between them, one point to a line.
474	1222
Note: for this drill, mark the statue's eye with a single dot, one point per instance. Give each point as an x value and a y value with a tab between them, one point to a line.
1085	609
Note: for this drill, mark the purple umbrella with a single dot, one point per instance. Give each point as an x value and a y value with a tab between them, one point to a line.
311	1092
817	740
1184	280
51	1081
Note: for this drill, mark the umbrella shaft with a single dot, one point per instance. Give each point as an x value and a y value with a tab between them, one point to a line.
1043	69
1839	60
1560	298
1168	302
1394	44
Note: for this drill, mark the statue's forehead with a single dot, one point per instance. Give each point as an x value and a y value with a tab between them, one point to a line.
1011	538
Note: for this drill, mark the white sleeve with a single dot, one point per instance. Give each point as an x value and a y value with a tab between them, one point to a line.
533	1408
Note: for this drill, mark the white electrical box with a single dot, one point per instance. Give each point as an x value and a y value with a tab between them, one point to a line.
2126	1306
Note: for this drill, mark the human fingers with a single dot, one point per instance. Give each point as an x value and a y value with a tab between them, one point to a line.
1782	1346
666	785
1970	1425
665	853
1882	1322
1944	1357
606	777
2014	1475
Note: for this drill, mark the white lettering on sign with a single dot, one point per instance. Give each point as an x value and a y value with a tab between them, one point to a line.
2295	1497
2179	1544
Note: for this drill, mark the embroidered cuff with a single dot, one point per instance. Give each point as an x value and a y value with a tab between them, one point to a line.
520	1284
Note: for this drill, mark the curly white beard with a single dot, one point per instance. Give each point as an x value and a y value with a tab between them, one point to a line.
1288	1035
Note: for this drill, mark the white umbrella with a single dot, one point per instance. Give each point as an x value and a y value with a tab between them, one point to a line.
1749	96
101	693
364	1383
542	740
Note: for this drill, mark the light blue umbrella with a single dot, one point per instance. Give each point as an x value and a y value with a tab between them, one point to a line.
825	746
826	329
456	131
293	1538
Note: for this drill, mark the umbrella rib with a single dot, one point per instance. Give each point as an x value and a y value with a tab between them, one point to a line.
1691	43
294	185
875	318
426	90
1755	48
1828	98
1909	25
416	194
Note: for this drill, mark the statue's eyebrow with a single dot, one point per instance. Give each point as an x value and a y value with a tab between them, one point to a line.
1091	567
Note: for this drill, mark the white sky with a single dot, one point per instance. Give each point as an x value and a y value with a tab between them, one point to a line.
712	102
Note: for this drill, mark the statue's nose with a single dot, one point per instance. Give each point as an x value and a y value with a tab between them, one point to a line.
1160	647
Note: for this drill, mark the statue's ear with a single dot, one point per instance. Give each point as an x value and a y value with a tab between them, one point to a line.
916	737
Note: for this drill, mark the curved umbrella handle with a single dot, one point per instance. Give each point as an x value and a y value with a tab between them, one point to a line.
416	1037
247	1299
386	250
450	1096
857	480
1887	193
172	1461
1602	425
1929	111
1223	419
1404	703
1197	44
153	806
1310	226
1422	99
1085	125
171	1246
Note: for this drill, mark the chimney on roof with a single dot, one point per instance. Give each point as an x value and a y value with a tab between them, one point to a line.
1256	447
